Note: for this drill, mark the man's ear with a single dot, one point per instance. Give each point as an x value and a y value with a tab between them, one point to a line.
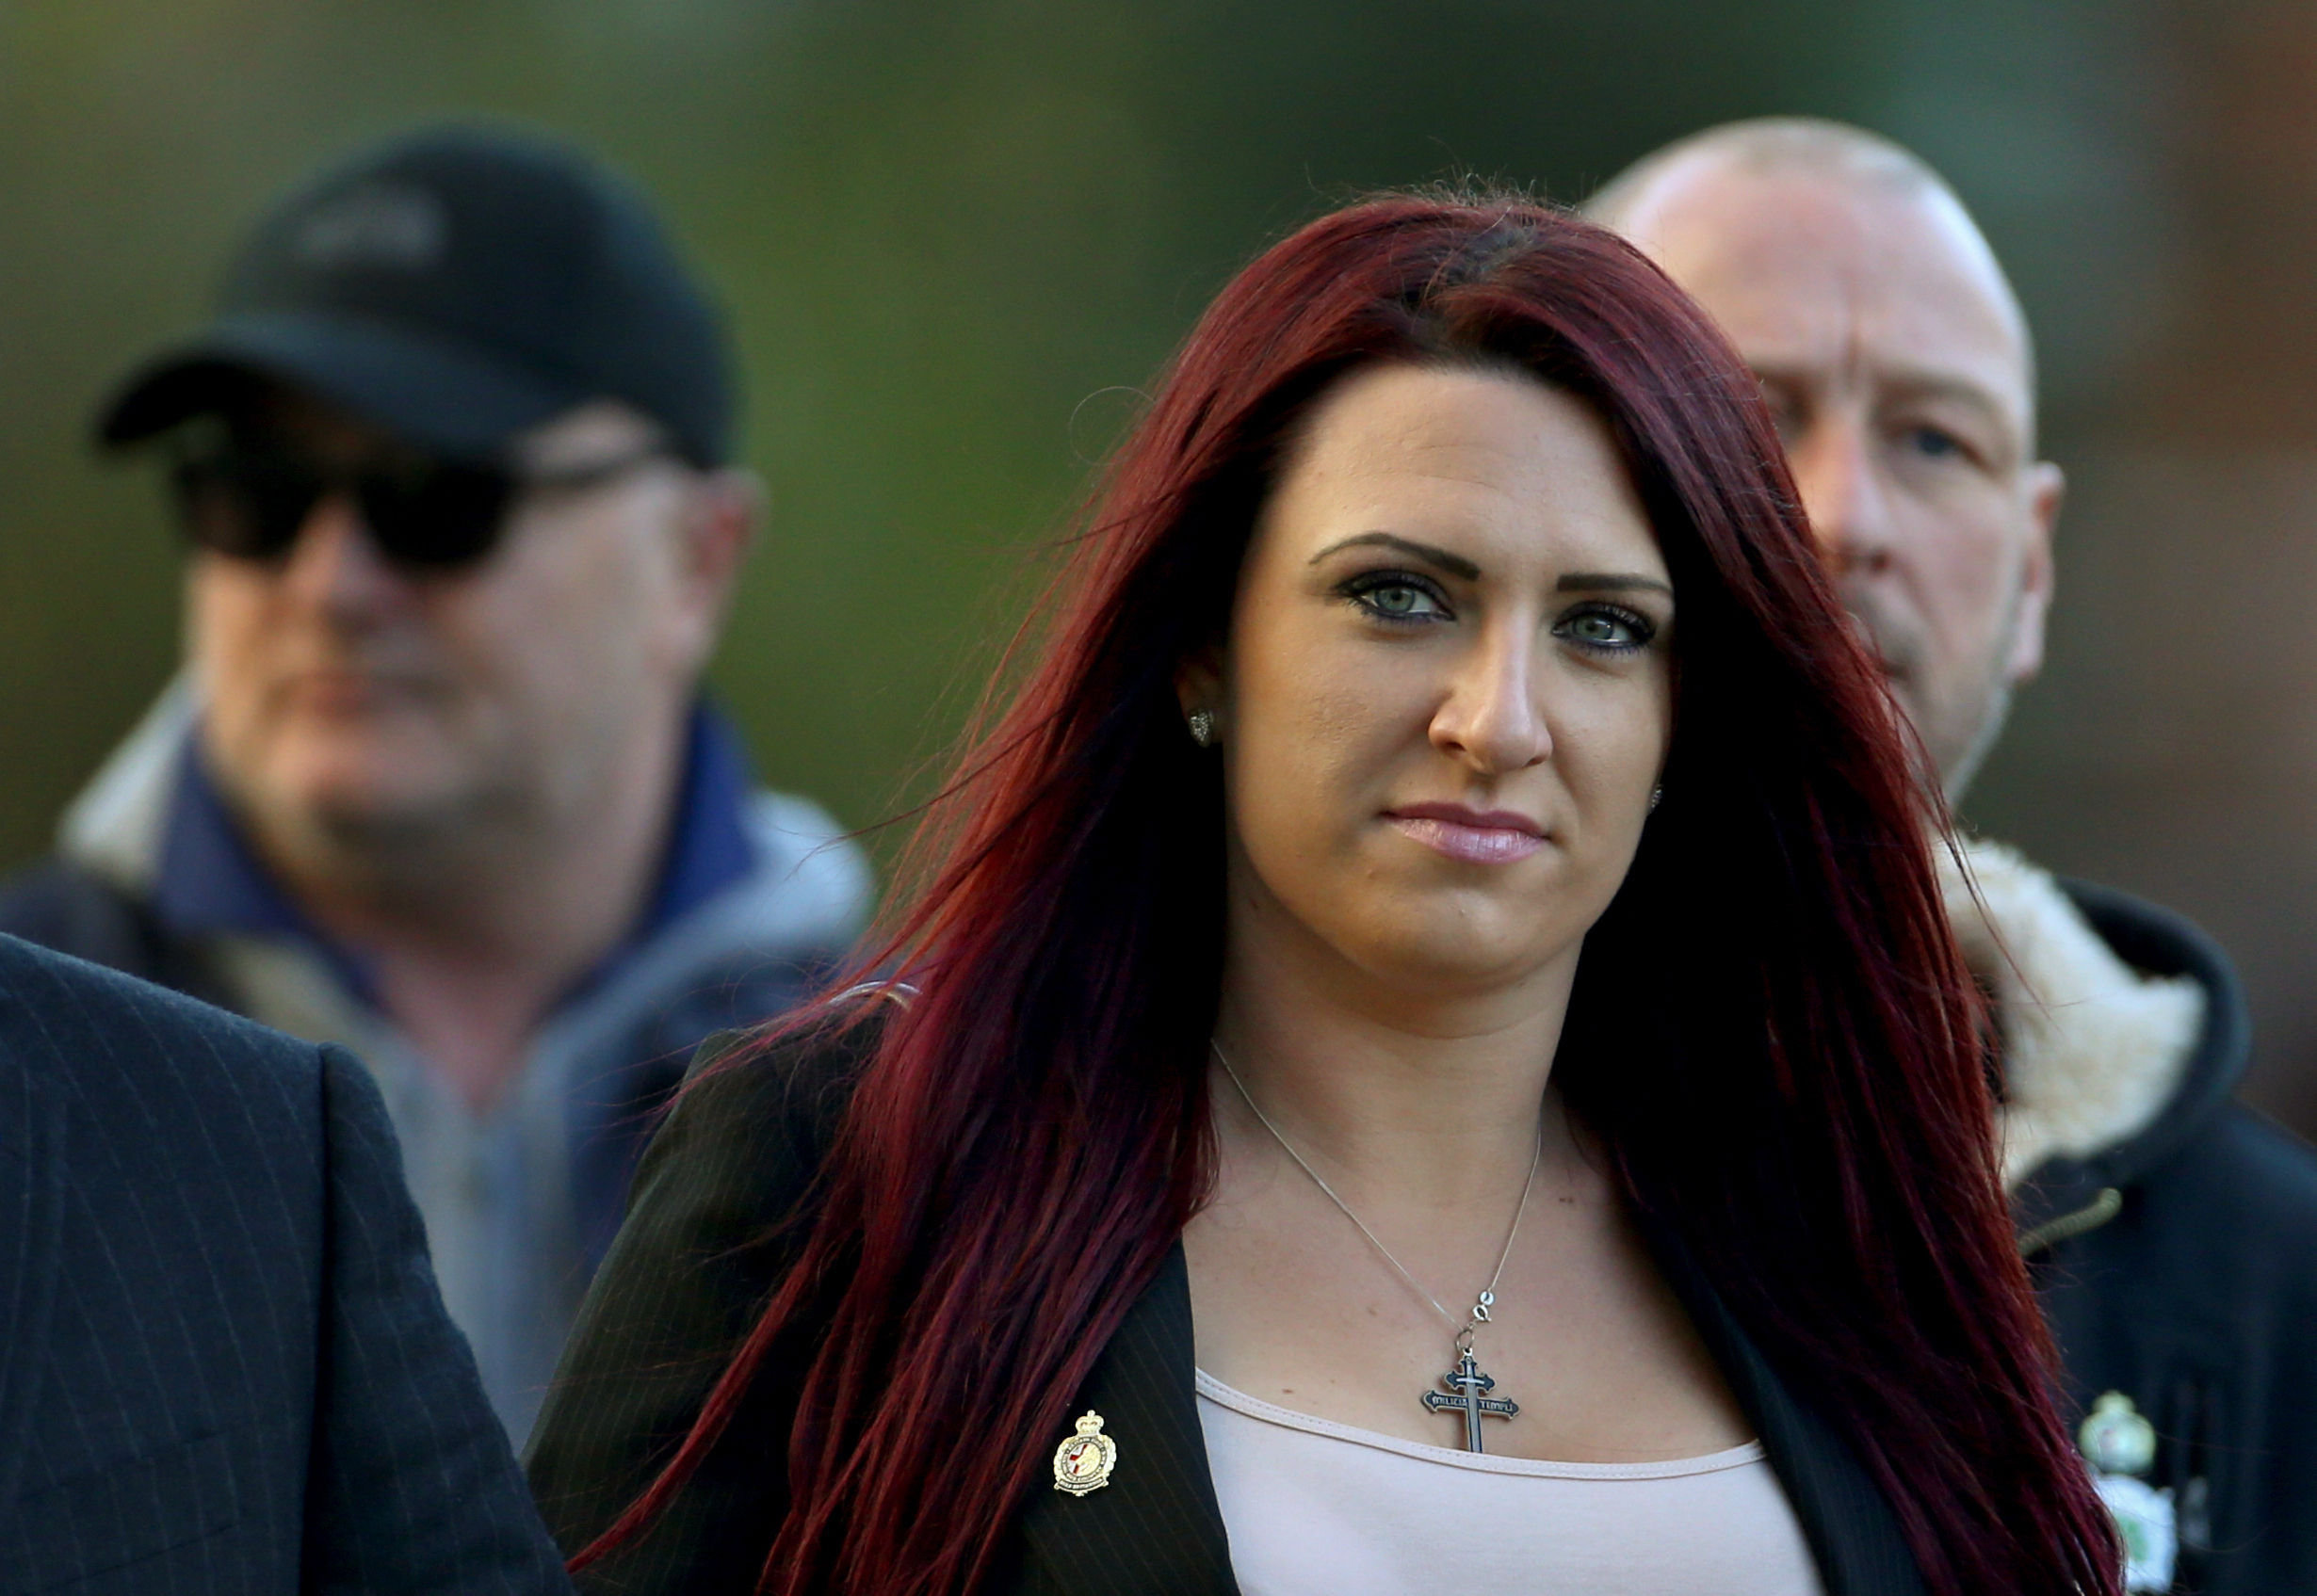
2045	486
719	522
727	508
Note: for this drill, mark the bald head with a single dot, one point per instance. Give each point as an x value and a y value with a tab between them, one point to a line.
1896	361
1769	144
1665	200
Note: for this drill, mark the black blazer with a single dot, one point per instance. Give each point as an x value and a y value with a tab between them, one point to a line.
224	1367
703	1244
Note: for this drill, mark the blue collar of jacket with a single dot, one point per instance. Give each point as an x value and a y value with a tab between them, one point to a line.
209	880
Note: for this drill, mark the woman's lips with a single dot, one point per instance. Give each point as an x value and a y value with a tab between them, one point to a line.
1492	838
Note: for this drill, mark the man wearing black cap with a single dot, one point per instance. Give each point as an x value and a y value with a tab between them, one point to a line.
452	464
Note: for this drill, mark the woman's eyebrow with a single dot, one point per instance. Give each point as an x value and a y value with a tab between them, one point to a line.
1455	565
1597	581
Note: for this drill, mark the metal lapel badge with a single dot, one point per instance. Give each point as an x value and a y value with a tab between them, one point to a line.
1083	1462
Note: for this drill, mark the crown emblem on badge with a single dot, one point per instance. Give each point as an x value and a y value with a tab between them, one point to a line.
1083	1462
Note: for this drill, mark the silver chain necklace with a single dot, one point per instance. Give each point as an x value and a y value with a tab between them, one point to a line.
1468	1388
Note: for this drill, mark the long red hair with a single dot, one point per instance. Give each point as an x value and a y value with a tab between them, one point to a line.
1772	1029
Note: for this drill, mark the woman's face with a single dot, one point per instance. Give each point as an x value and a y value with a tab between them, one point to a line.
1445	692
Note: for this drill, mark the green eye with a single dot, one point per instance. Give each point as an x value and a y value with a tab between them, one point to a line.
1615	631
1393	596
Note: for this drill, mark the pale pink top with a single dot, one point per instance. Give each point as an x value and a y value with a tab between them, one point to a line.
1318	1508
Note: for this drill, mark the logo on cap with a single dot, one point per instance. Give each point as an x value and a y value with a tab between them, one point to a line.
396	226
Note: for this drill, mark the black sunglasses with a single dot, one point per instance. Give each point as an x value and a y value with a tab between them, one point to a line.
248	500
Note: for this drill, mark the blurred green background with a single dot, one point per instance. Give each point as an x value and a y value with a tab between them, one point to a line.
957	235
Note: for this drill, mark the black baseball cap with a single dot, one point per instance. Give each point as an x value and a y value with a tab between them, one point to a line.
456	286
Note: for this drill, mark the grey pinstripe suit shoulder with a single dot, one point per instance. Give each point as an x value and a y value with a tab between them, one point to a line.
224	1367
709	1232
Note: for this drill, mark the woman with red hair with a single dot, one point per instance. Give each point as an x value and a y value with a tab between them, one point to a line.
1426	1054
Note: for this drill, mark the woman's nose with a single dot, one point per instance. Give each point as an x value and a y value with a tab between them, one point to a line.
1491	719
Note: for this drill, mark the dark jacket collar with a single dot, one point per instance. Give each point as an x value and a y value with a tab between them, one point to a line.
32	1128
1854	1535
1157	1529
2157	942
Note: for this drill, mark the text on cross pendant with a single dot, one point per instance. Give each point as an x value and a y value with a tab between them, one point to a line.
1469	1390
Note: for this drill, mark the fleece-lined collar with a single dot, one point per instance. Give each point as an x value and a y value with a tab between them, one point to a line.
2122	1025
2093	1049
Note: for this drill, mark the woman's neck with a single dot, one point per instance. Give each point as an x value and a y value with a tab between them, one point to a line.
1410	1096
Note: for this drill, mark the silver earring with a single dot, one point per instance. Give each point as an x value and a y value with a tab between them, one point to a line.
1657	797
1203	728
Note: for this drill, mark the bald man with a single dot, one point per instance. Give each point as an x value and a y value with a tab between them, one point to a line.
2172	1233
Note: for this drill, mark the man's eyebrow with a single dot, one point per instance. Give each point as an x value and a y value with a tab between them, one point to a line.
1455	565
1611	581
1911	384
1953	390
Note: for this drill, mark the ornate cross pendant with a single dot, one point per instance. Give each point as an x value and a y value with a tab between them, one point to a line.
1467	1395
